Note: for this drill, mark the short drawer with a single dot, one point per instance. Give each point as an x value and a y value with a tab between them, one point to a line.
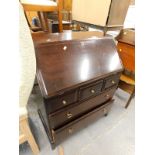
61	133
60	101
112	80
90	90
73	111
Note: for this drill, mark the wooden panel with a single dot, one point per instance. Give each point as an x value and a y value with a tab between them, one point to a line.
61	133
127	36
126	87
112	80
70	113
41	5
127	55
127	79
60	101
25	130
91	11
43	38
117	12
90	90
63	65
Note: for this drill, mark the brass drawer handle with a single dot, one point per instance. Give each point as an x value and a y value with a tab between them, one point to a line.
107	95
113	82
120	50
65	48
70	130
92	91
64	102
69	115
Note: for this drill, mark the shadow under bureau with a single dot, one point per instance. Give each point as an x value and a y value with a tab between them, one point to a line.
77	79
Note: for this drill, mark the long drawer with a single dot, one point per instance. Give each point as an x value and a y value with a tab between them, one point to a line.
62	117
60	134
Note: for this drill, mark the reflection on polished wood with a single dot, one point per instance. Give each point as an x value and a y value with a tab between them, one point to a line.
42	37
82	61
78	74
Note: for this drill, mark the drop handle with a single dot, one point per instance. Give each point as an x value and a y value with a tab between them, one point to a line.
64	102
69	115
113	82
65	48
70	130
92	91
107	95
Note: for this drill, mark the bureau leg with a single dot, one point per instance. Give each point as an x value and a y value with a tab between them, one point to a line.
106	114
46	129
53	146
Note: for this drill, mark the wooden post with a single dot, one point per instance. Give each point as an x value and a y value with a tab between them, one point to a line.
60	15
27	135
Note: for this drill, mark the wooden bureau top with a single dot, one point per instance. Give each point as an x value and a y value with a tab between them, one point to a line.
66	64
42	37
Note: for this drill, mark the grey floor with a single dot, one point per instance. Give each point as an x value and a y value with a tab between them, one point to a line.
111	135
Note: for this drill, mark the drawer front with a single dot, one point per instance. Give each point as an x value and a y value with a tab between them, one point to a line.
126	48
90	90
127	55
60	134
72	112
112	80
60	101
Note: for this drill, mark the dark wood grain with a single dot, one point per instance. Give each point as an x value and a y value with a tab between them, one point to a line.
64	65
82	122
90	90
73	111
61	101
77	75
44	38
112	80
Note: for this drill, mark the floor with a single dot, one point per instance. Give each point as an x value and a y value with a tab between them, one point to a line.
111	135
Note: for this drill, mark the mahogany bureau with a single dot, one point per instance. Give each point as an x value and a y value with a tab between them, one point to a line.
77	78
